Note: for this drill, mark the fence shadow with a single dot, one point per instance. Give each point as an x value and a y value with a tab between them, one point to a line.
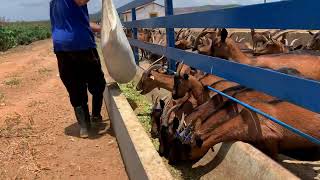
196	170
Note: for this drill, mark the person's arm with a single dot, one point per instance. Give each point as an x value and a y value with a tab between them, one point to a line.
95	27
81	2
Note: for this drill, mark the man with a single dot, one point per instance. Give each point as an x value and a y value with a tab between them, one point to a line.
78	60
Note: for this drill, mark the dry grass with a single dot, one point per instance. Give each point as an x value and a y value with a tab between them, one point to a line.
1	97
34	103
13	127
44	71
13	82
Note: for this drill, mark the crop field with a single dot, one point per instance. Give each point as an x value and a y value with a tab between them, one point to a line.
22	33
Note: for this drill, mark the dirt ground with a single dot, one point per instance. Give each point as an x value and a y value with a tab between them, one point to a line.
38	130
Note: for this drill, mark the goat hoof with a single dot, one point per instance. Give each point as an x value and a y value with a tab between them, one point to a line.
199	142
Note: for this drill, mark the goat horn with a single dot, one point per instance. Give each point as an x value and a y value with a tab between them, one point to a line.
204	29
179	68
167	115
156	66
153	40
181	122
158	60
180	31
286	42
265	38
165	109
196	42
279	34
142	68
155	104
160	42
276	32
292	43
165	98
152	98
241	40
311	33
189	32
232	34
148	71
184	34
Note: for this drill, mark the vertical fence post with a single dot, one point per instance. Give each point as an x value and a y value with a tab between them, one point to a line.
170	33
135	35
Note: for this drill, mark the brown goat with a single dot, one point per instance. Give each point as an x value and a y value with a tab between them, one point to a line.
184	39
203	42
198	119
144	35
265	134
152	79
169	121
275	46
315	42
128	32
156	113
307	65
259	38
189	84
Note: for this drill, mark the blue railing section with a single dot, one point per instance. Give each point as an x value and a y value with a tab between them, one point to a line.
170	31
295	14
300	133
135	35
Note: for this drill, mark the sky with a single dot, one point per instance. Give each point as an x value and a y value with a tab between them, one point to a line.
29	10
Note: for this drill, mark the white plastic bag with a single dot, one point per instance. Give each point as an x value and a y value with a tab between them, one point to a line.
117	53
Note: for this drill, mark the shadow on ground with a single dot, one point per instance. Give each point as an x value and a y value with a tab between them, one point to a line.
94	133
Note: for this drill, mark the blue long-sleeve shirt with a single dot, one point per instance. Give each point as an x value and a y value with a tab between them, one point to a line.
70	26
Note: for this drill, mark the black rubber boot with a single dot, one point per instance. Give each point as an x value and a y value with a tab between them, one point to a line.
83	118
96	117
97	101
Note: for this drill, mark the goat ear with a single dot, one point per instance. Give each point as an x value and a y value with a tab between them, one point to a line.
175	123
185	76
311	33
151	77
224	35
199	141
162	103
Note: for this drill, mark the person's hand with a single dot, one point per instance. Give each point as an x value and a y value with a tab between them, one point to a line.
95	27
81	2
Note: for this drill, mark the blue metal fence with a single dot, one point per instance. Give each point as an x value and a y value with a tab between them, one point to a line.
295	14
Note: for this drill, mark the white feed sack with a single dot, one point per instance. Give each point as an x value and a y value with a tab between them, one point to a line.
117	53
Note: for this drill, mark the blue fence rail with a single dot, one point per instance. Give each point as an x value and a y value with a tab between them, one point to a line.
295	14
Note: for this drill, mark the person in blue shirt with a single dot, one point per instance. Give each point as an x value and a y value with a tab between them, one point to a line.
78	60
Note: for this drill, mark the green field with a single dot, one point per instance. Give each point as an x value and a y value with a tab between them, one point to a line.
22	33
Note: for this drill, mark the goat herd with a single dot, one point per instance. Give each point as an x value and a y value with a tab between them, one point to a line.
194	119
